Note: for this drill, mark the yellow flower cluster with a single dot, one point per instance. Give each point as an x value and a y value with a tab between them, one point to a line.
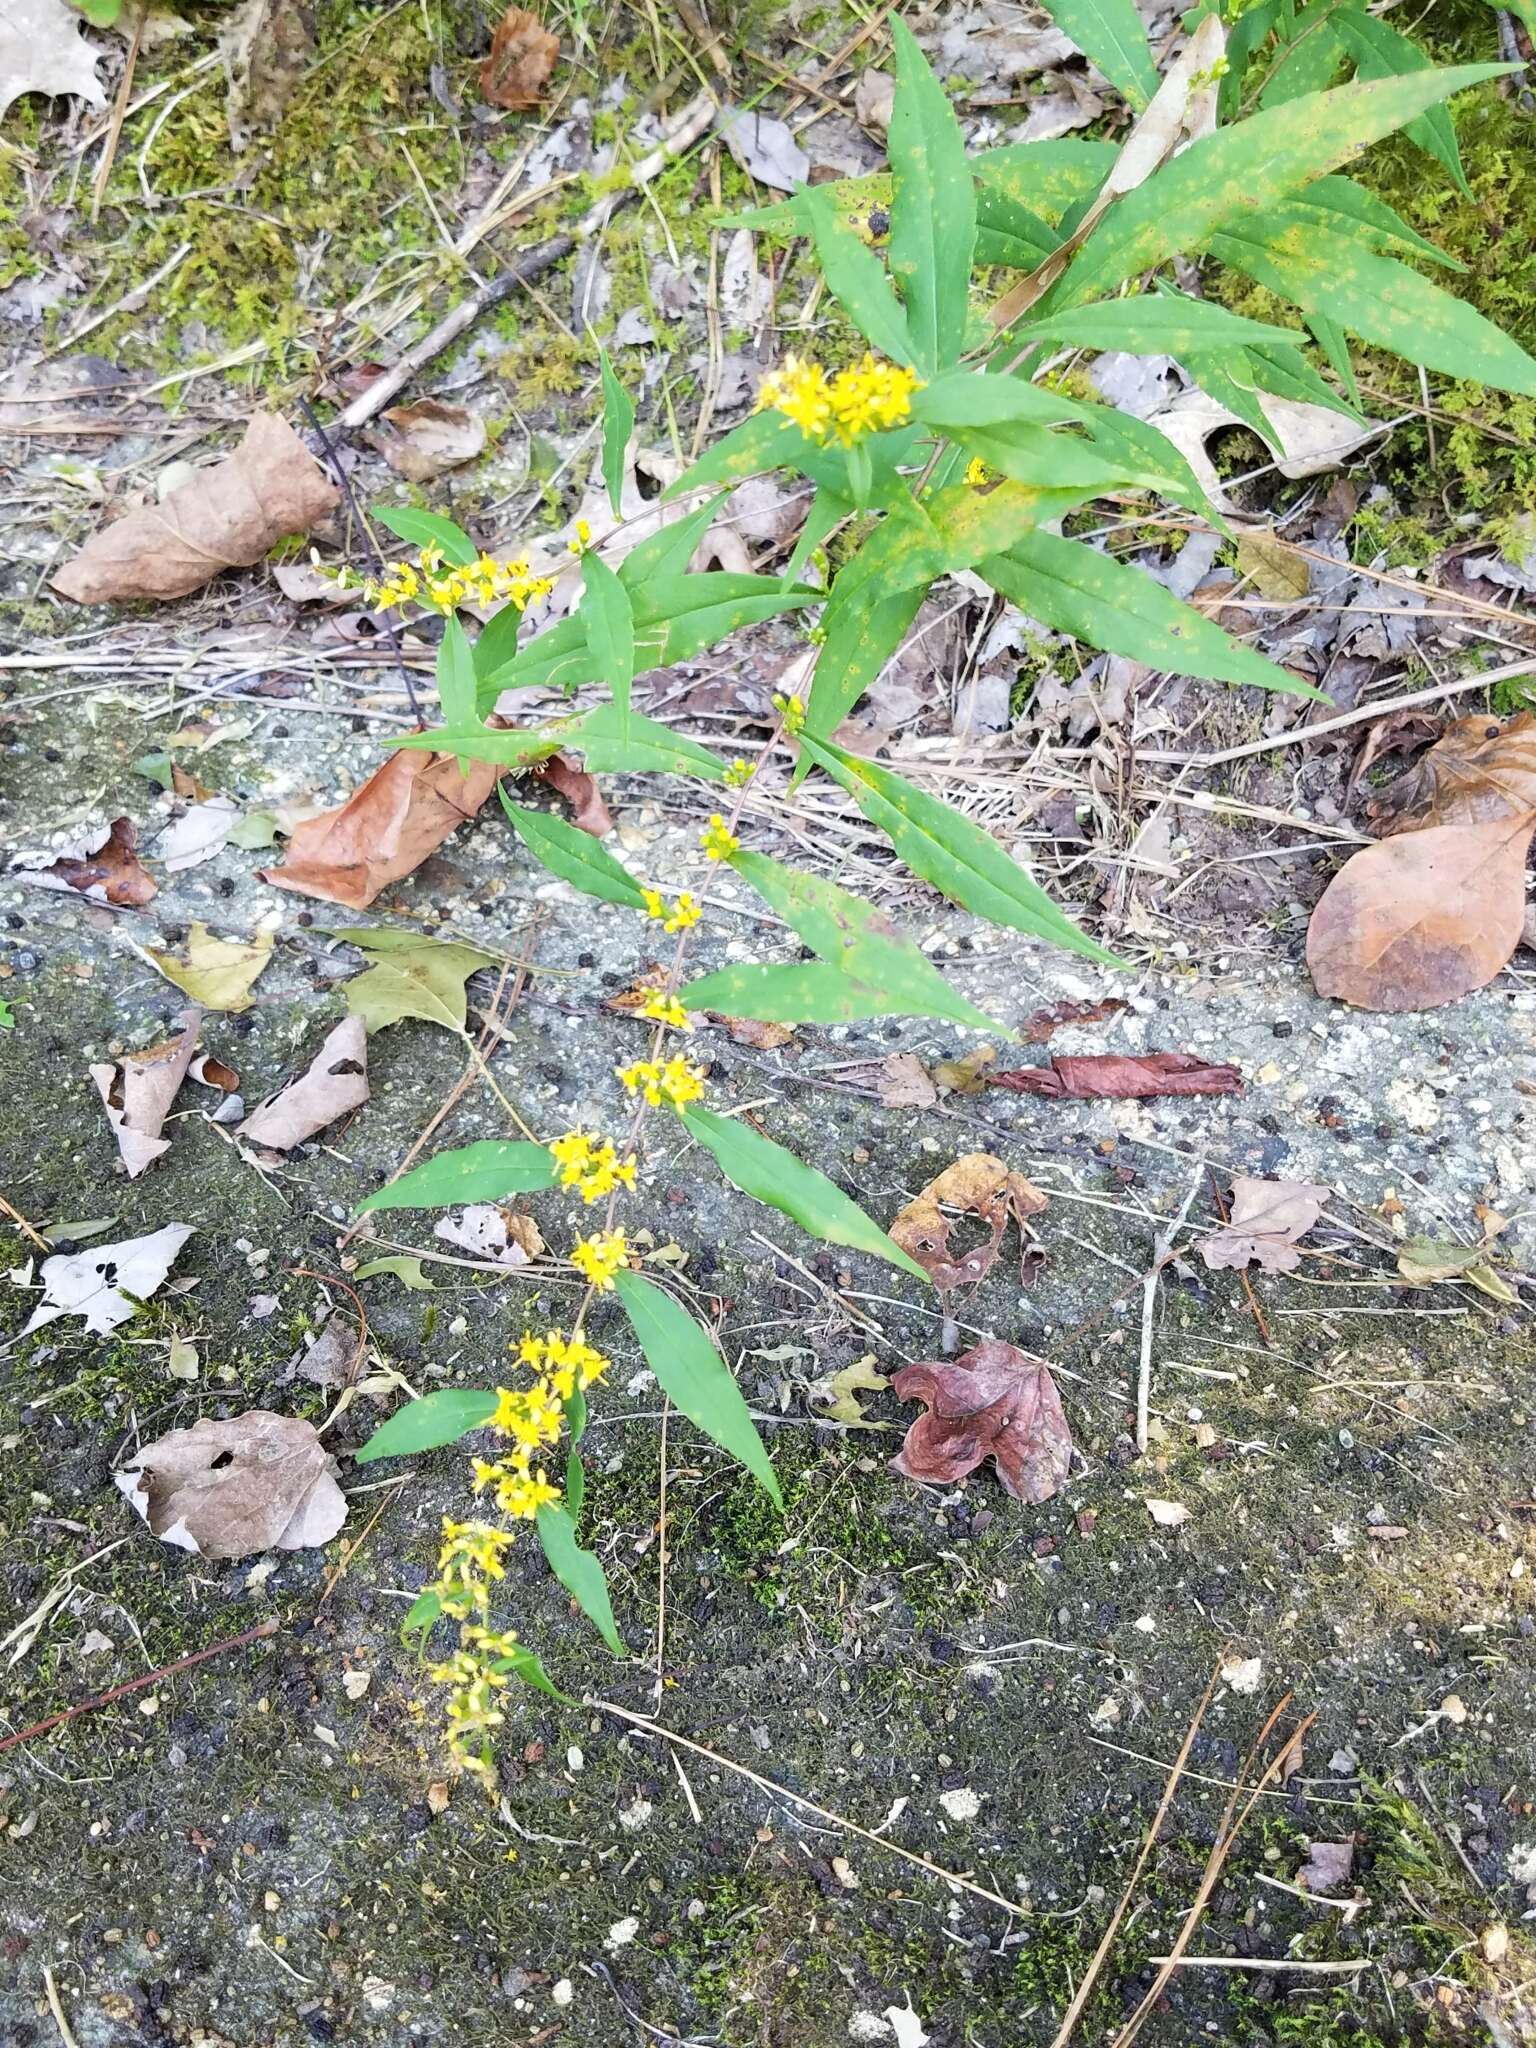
591	1165
863	399
476	1675
470	1558
581	540
739	774
431	582
600	1256
665	1009
682	914
676	1081
568	1362
977	471
792	711
519	1490
719	842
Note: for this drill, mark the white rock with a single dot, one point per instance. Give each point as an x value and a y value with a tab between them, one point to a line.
961	1804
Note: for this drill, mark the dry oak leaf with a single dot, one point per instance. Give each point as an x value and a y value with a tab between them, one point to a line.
137	1092
988	1189
991	1402
385	829
1093	1076
334	1083
110	872
420	441
42	50
225	517
522	56
1267	1218
228	1489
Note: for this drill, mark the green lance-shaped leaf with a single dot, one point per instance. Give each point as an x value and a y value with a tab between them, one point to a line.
1078	590
580	1572
521	1662
1380	52
857	279
694	1377
609	618
1334	277
1312	58
933	207
1241	169
956	856
429	529
1051	178
1245	36
827	509
857	939
803	992
480	743
1111	35
976	398
767	440
665	554
1153	323
1334	343
860	640
1041	459
1289	375
456	674
489	1170
614	745
618	425
1339	203
435	1419
773	1175
575	856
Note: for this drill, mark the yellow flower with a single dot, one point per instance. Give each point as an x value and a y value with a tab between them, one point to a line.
683	913
663	1009
866	398
738	775
976	471
582	538
531	1416
719	842
484	581
519	1492
600	1256
674	1081
792	711
591	1166
799	391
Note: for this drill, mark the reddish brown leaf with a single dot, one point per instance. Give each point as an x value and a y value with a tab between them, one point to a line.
385	830
1044	1024
1482	771
421	441
1401	732
989	1190
112	873
992	1402
522	56
222	518
1093	1075
753	1031
1419	920
588	811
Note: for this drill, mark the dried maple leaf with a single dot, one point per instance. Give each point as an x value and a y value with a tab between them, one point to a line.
385	829
989	1190
588	811
421	441
110	872
1095	1075
226	517
1267	1218
522	56
42	50
216	973
137	1092
991	1402
227	1489
335	1081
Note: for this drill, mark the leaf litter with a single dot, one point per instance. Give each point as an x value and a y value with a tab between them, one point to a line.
995	1402
333	1085
411	976
138	1089
984	1187
103	1287
225	1489
522	56
218	974
1268	1216
1099	1076
103	865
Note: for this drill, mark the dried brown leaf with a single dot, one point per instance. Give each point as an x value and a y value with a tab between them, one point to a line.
1044	1024
754	1031
522	56
222	518
335	1082
1267	1218
1096	1075
588	811
258	1481
991	1402
905	1082
989	1190
1328	1865
421	441
109	873
385	829
137	1092
1483	771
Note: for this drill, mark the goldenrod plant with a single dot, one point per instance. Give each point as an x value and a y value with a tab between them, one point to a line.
950	441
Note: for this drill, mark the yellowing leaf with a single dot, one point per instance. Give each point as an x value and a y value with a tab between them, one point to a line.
412	977
218	973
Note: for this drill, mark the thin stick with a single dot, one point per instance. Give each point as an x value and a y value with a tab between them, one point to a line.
825	1813
661	1554
1268	1963
1162	1252
66	2032
104	1699
23	1225
119	111
1084	1992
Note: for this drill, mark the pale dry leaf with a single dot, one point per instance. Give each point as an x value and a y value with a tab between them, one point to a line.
982	1184
905	1082
137	1092
96	1285
423	440
496	1234
216	973
43	50
967	1076
522	56
874	97
102	865
267	46
411	976
1268	1216
224	1489
1274	570
1423	1262
1307	440
1242	1674
838	1393
764	147
198	834
992	1402
224	517
1328	1865
1168	1514
334	1083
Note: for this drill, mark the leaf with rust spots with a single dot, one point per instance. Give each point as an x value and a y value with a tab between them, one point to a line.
991	1402
1481	772
1097	1076
1267	1218
986	1188
522	56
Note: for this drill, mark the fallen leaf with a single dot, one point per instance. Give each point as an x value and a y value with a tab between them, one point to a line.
965	1076
105	868
1306	440
137	1092
905	1082
874	97
1422	1263
907	2030
407	1271
838	1392
1091	1076
334	1083
754	1031
1267	1218
42	50
198	835
217	973
522	56
988	1189
96	1285
588	811
1328	1865
331	1356
991	1402
412	976
1481	771
487	1231
765	148
227	1489
421	441
182	1363
1242	1674
438	1796
1399	732
1044	1024
267	46
385	829
1168	1514
222	518
1274	570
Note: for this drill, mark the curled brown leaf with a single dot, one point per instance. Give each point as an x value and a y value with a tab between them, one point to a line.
522	56
137	1092
989	1190
335	1082
110	872
1098	1075
992	1402
1268	1216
